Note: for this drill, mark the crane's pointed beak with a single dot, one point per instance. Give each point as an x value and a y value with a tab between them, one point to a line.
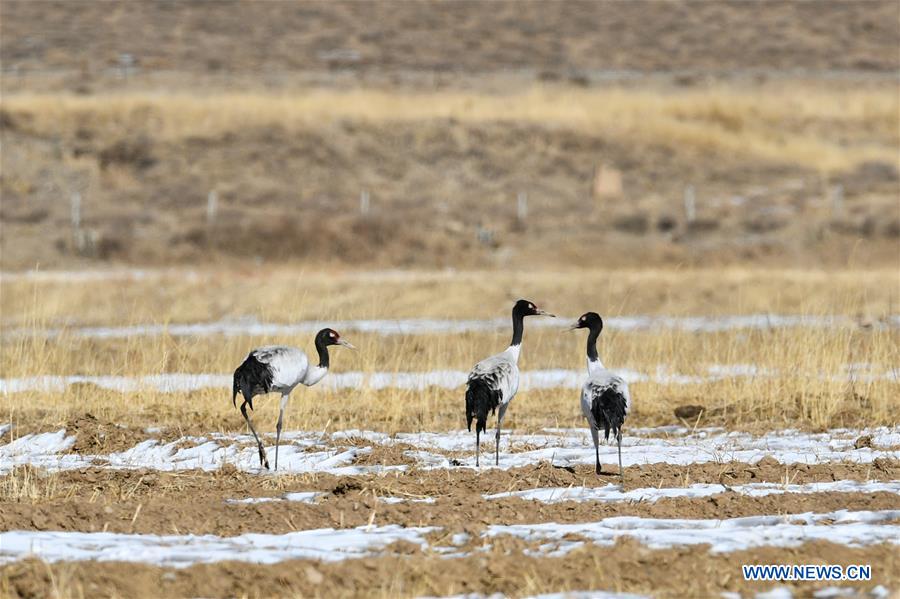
573	327
544	313
346	344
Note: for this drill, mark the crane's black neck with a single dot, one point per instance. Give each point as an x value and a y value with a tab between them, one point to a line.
322	348
518	319
592	354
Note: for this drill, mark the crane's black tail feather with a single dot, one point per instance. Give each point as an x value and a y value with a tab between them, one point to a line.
609	411
480	401
251	378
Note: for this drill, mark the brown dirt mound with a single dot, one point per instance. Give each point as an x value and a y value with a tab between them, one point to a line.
349	506
625	567
94	436
229	482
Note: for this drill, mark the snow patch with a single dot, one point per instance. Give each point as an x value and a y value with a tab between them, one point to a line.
876	592
563	595
445	379
614	493
210	455
303	451
842	527
776	593
300	496
84	276
420	326
40	450
589	595
180	551
392	500
188	453
574	448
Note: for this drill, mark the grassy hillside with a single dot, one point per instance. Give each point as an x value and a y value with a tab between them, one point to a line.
783	174
581	39
635	134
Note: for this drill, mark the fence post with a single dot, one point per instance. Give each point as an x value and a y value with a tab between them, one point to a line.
837	200
522	207
212	206
78	235
126	62
76	211
690	204
364	204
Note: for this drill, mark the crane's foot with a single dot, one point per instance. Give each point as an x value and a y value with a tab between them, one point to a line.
599	470
263	460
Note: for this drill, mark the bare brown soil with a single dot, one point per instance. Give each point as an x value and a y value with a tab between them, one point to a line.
455	512
196	502
229	482
96	436
685	572
93	436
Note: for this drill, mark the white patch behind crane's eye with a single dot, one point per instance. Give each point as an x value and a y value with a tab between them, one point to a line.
332	334
531	306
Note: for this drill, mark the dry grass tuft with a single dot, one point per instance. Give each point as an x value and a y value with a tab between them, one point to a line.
28	484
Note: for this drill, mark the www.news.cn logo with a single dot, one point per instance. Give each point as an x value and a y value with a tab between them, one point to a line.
806	572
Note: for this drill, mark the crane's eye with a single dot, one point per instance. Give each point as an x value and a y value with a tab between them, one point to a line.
531	305
332	334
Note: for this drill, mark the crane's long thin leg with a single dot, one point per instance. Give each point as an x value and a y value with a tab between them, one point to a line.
263	461
497	446
284	402
619	442
477	446
499	424
595	435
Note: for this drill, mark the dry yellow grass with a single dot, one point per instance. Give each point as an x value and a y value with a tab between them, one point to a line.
286	294
29	484
806	385
750	404
808	351
812	125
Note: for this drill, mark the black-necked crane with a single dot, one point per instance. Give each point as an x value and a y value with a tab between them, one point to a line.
605	399
494	381
280	368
